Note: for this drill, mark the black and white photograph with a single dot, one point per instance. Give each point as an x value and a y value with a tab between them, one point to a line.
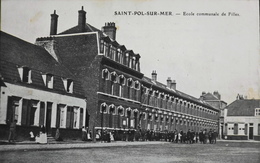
133	81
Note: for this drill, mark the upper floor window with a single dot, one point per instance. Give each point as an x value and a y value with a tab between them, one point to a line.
48	80
68	84
25	74
114	77
257	112
101	46
105	74
137	85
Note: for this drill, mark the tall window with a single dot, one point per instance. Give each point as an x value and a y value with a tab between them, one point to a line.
70	117
129	84
113	81
121	85
62	117
101	46
34	112
75	118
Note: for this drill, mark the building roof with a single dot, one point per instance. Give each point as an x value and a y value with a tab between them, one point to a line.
77	29
245	107
17	53
209	96
23	53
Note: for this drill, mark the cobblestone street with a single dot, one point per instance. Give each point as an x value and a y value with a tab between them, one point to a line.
157	152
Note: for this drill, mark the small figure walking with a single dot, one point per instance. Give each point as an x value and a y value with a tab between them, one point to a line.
12	132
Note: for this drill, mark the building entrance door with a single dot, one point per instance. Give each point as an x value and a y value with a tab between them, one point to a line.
251	129
222	133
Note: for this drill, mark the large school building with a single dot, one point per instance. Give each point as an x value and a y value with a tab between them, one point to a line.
101	84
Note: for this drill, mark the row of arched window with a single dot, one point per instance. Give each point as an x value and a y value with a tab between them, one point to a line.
150	116
160	100
120	79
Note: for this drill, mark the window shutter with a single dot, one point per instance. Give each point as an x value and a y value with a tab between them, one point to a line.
71	117
58	116
68	117
81	118
42	113
24	111
10	111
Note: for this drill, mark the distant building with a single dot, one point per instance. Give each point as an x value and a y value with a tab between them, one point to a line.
36	90
242	119
215	101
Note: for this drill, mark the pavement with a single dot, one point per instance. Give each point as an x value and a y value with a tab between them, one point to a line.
78	144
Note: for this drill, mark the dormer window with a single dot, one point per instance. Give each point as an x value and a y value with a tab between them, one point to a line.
257	112
48	80
25	74
68	84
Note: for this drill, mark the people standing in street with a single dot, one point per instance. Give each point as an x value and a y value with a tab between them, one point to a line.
12	131
84	134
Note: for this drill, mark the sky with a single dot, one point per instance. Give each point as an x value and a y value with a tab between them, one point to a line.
201	52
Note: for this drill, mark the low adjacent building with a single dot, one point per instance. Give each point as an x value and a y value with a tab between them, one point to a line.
242	120
36	90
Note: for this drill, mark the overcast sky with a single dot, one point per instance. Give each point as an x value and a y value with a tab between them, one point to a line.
202	53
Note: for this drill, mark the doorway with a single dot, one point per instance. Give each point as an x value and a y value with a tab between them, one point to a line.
251	130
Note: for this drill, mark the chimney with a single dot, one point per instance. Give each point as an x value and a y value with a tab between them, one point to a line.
82	19
173	85
54	23
110	30
215	93
202	95
154	76
169	81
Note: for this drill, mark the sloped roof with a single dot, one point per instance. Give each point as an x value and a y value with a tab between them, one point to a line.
77	29
23	53
15	53
243	107
209	96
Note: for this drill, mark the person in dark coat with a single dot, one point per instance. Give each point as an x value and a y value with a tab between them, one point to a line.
201	136
12	131
210	134
189	136
205	136
215	135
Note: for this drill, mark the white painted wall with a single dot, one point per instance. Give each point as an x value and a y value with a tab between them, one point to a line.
242	120
44	96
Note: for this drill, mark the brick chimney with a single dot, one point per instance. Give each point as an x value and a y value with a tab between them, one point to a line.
173	85
169	81
82	19
154	76
54	23
110	30
215	93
